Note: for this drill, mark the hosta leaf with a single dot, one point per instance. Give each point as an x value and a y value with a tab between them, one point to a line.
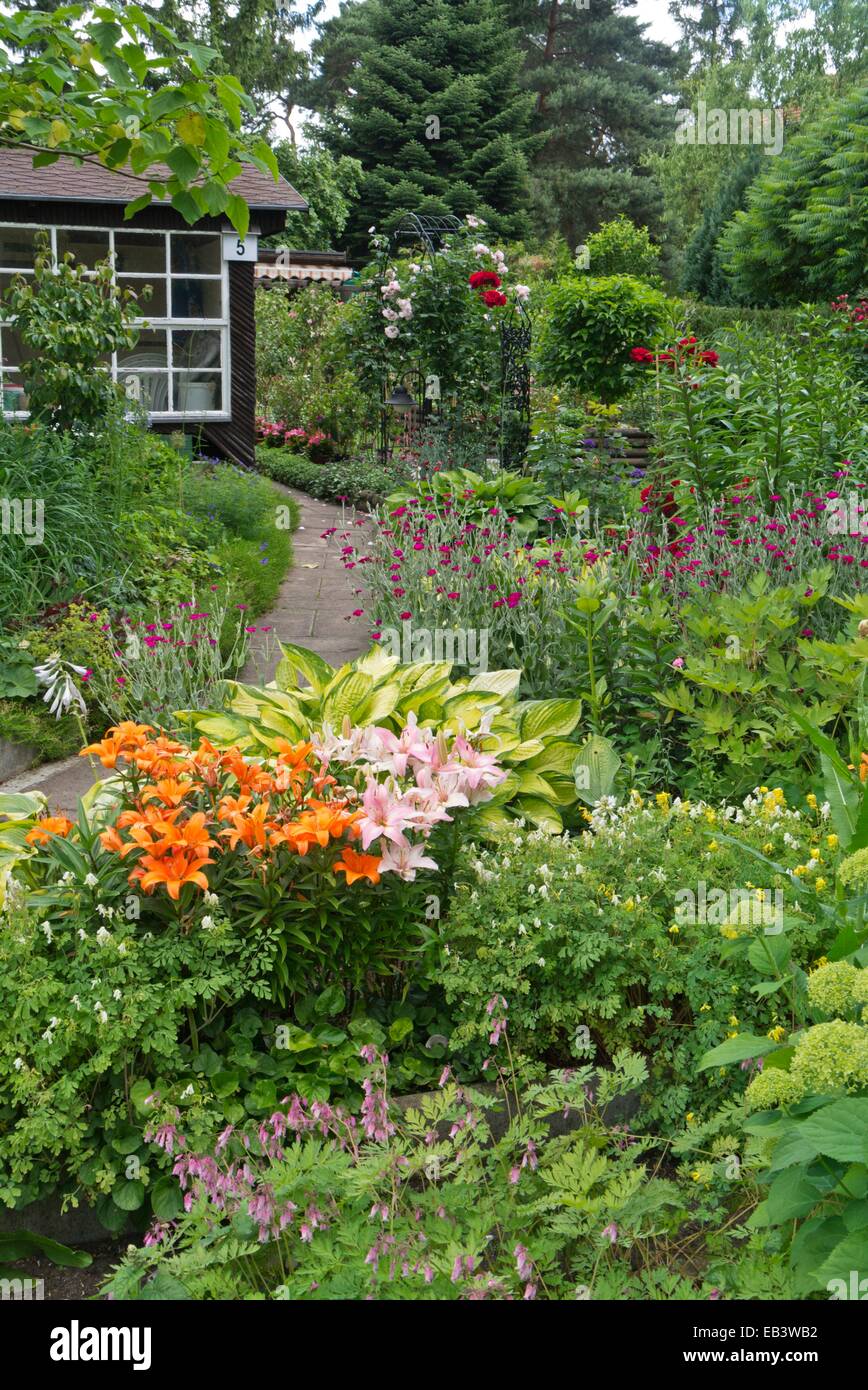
528	749
540	813
557	756
503	683
595	769
344	697
531	784
298	660
379	705
549	718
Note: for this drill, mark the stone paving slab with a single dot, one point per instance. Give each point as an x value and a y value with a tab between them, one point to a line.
310	610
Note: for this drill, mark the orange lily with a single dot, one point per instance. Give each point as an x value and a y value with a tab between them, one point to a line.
250	828
108	750
316	827
233	805
48	826
130	732
111	840
193	833
169	790
294	755
357	866
148	815
174	870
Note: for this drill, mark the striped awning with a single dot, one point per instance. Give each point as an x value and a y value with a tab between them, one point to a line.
298	273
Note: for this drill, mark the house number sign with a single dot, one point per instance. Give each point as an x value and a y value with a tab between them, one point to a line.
236	248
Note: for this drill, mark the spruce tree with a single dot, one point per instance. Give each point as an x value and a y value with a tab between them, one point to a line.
428	100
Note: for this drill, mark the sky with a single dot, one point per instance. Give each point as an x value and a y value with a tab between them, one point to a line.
652	12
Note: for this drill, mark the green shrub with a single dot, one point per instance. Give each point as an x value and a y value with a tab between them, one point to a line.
590	327
591	940
622	248
303	373
352	480
70	318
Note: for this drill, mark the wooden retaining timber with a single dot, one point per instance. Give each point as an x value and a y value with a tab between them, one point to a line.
637	446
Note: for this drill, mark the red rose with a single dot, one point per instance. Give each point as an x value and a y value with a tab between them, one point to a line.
641	354
711	358
493	297
484	277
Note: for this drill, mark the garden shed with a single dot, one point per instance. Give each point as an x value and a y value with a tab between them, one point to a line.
193	367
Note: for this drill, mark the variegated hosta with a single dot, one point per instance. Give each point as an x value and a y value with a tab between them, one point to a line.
531	739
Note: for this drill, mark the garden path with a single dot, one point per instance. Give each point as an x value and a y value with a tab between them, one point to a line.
312	608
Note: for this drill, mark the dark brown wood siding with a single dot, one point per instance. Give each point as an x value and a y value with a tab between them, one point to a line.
236	437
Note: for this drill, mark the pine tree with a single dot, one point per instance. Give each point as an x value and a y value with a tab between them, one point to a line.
596	82
427	99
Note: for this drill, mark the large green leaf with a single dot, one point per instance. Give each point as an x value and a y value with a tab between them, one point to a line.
299	660
595	769
549	718
20	1245
840	1130
21	805
540	813
736	1050
344	697
842	797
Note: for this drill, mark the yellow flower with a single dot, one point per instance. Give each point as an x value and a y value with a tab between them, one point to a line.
819	884
710	815
768	847
713	845
629	905
800	870
811	800
819	962
729	932
763	790
733	1021
777	1034
689	1117
832	841
673	930
696	1175
705	1008
662	799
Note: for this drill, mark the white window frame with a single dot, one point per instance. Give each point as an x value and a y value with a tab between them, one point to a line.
165	322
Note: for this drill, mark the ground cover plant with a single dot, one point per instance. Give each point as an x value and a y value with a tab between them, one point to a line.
522	954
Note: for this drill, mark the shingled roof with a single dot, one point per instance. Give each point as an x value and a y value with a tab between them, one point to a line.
67	180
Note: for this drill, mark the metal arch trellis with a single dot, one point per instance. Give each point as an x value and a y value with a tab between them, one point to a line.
427	231
430	232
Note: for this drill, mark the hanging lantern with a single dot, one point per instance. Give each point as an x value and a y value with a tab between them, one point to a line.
401	401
